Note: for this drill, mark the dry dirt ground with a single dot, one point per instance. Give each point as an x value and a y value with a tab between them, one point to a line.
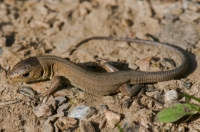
38	27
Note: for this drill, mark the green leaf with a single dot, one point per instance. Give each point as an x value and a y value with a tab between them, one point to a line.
119	128
189	97
175	112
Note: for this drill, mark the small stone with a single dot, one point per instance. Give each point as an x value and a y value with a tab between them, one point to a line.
193	6
198	45
109	99
127	103
60	100
55	102
64	123
1	50
16	47
2	89
144	64
153	94
53	118
47	127
185	84
83	11
129	126
54	105
171	95
168	63
61	114
39	24
185	4
127	22
112	118
48	100
123	45
43	110
63	108
102	123
56	128
103	108
86	126
189	16
119	95
58	25
133	66
2	41
28	91
82	112
110	3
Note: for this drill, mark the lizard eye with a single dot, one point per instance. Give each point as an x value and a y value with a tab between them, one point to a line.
26	75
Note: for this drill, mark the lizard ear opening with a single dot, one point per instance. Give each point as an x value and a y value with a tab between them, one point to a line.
42	72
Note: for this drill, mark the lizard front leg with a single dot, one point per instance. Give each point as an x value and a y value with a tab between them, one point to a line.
56	82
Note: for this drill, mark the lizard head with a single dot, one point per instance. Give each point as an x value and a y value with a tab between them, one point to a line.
27	70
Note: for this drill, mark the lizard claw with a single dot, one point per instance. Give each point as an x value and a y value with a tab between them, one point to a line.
43	96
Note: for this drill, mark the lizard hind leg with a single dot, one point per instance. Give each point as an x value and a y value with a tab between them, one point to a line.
129	90
105	64
126	88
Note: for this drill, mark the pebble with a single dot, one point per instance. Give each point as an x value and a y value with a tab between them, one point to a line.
189	16
112	118
39	24
2	41
133	66
56	128
82	112
48	100
144	64
2	89
130	127
65	123
171	95
86	126
103	108
43	110
109	99
16	47
53	118
63	107
54	102
127	22
193	6
123	45
185	84
47	126
127	103
1	50
102	123
168	63
60	100
83	11
198	45
28	91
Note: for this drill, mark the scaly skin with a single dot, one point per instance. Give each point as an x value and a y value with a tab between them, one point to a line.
46	67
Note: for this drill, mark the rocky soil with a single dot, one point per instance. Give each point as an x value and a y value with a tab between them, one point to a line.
53	27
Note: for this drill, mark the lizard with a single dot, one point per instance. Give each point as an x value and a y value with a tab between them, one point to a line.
41	68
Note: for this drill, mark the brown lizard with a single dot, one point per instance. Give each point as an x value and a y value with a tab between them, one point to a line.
41	68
